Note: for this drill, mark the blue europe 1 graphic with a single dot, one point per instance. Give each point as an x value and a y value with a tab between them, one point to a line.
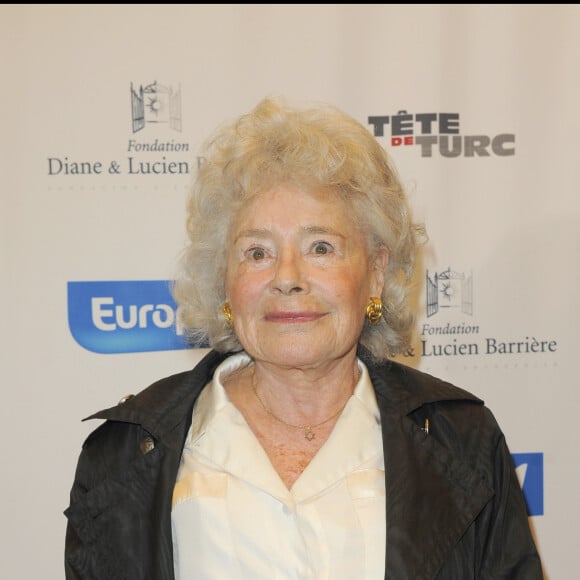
124	316
530	471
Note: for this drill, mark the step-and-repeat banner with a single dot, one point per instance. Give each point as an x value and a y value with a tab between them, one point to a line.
103	111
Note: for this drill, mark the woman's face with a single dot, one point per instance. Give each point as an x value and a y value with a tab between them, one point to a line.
299	278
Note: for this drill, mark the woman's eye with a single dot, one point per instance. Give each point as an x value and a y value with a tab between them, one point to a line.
257	253
322	248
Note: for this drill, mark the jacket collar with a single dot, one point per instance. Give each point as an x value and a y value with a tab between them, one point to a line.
409	389
165	404
161	406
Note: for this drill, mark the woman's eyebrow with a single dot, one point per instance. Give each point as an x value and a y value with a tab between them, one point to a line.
266	233
253	233
322	230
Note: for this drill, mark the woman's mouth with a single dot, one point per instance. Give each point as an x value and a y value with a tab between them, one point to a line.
286	317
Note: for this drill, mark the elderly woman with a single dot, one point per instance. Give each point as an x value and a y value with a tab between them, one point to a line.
295	449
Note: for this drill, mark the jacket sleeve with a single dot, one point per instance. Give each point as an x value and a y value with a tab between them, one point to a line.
508	549
91	529
76	567
72	545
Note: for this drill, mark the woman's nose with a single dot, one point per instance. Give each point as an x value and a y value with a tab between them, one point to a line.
289	275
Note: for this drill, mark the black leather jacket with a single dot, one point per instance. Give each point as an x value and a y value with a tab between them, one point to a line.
455	510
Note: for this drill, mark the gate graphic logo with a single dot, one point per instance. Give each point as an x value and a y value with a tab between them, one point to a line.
155	103
124	316
449	290
530	471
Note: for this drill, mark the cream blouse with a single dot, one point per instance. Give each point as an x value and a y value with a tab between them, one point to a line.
234	518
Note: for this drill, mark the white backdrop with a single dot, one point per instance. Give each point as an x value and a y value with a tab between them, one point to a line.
481	102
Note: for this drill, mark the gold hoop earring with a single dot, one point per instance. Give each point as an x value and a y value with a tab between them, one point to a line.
374	310
227	312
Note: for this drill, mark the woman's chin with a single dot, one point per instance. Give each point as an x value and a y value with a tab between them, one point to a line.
297	352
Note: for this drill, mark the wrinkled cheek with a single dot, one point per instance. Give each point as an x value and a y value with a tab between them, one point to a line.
249	336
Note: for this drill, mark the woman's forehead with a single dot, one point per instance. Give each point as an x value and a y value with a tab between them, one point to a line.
293	201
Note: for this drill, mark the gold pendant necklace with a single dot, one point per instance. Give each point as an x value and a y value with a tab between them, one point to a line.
308	429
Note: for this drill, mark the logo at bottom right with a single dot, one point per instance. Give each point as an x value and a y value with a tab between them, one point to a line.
530	471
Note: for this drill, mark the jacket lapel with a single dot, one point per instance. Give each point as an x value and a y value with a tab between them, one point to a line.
432	496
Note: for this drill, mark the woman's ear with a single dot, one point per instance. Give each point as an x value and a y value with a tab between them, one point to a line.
379	271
